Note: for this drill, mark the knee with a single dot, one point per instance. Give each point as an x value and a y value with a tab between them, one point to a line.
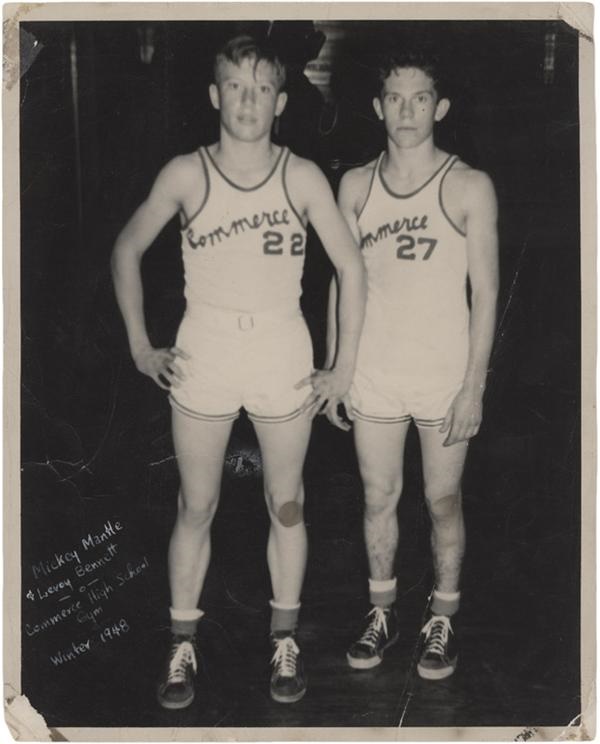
196	514
443	505
283	510
381	496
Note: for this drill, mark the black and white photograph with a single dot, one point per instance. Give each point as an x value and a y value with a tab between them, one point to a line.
298	402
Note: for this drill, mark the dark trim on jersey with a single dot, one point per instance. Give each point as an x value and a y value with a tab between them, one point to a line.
421	187
375	169
285	190
201	207
429	423
245	188
275	419
381	419
446	215
203	416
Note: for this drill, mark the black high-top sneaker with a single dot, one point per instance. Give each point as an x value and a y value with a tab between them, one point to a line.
176	684
380	632
288	681
439	652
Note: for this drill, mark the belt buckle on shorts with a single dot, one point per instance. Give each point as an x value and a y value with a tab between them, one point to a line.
245	322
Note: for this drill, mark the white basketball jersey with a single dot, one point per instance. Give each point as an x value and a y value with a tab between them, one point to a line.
243	250
417	319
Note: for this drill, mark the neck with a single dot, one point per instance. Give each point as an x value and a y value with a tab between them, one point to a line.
407	161
244	156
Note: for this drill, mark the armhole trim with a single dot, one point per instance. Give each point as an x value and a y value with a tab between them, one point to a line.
375	170
187	222
285	189
441	201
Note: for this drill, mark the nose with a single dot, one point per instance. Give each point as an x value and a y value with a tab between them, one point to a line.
248	95
406	110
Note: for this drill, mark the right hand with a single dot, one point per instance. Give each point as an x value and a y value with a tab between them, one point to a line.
160	365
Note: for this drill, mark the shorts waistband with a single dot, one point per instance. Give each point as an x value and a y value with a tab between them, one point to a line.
239	320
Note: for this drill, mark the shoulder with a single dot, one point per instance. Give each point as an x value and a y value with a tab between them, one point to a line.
355	185
462	175
303	170
308	186
180	175
358	178
474	186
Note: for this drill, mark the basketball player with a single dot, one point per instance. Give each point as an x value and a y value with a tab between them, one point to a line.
426	222
244	204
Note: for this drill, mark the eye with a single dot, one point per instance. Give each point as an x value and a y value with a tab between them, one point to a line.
266	89
392	98
233	85
423	98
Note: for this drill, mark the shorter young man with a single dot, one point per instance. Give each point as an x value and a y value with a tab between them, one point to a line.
426	223
244	204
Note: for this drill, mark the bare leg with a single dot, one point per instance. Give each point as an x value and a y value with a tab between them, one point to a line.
442	470
200	449
283	449
380	450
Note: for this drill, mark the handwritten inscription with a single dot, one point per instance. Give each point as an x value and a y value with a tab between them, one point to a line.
62	560
74	589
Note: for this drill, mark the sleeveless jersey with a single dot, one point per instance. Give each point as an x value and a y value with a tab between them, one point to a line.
243	250
417	318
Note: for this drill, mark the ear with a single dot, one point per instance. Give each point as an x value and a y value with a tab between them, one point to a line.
280	103
213	92
378	109
442	108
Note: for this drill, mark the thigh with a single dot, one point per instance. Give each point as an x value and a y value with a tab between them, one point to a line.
200	449
210	389
442	466
276	362
380	452
283	449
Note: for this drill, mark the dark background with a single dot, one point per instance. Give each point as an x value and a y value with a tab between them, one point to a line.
97	123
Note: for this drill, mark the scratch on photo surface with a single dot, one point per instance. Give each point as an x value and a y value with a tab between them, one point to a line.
160	462
511	292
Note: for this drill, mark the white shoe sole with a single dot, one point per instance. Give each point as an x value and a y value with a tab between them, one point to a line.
364	663
288	698
427	673
357	663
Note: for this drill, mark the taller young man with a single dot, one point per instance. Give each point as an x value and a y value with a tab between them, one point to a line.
244	204
426	222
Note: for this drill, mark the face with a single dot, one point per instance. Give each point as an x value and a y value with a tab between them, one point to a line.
409	106
248	99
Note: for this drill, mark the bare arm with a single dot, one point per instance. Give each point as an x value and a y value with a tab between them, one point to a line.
347	206
131	244
333	385
464	417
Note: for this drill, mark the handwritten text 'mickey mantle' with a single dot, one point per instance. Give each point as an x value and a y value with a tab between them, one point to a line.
91	540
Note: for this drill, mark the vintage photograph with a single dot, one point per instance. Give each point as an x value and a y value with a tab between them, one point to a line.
299	382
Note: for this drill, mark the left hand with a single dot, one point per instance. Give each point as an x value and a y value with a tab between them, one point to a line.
330	388
463	418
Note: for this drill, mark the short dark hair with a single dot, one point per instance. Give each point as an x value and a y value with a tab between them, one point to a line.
240	48
418	59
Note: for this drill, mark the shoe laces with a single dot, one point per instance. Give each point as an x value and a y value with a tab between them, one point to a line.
285	656
436	631
182	655
377	625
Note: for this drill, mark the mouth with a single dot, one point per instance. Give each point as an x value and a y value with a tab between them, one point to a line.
247	119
